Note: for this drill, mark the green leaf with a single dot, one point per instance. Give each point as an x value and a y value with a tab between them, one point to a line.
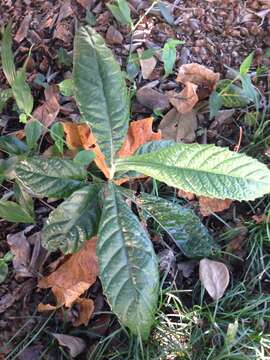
215	104
11	145
84	157
13	212
90	18
100	91
58	134
166	13
246	64
232	96
66	87
54	177
22	93
3	271
124	8
127	264
169	55
7	56
181	223
204	170
63	58
73	222
24	199
33	131
249	89
5	95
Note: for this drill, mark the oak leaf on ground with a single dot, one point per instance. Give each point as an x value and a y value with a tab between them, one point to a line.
74	276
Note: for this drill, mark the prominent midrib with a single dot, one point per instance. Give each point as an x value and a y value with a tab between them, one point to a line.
121	165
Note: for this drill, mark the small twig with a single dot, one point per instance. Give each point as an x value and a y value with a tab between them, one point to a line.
237	147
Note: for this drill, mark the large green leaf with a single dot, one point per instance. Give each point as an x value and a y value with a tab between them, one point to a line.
204	170
13	212
181	223
54	177
127	263
73	222
100	91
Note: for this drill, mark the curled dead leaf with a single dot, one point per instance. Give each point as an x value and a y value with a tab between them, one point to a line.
215	277
199	75
185	194
139	133
185	100
210	205
74	344
80	135
85	311
74	276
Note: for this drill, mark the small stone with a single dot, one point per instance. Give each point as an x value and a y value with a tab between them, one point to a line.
113	36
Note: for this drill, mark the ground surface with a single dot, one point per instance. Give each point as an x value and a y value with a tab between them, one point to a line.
219	35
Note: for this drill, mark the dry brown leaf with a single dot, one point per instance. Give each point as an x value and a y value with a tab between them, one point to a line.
179	127
23	29
74	344
147	65
152	99
86	309
113	36
185	194
199	75
210	205
21	251
46	307
185	100
215	277
85	3
47	112
139	133
74	276
80	135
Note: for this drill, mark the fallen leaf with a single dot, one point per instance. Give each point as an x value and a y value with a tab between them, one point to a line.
74	276
152	99
46	307
21	251
23	29
85	3
74	344
31	353
65	11
179	127
185	194
199	75
235	246
223	117
113	36
80	135
209	206
48	111
215	277
185	100
147	65
22	290
86	309
139	133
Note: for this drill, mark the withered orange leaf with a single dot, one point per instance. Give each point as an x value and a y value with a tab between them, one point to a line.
86	309
74	276
210	205
186	99
139	133
199	75
80	135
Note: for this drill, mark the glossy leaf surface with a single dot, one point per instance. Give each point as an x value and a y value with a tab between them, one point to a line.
181	223
100	91
54	177
73	222
204	170
128	267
